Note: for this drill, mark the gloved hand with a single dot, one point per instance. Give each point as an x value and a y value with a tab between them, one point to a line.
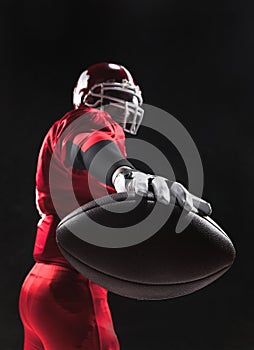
130	180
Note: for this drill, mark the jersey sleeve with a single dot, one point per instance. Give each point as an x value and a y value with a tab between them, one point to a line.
96	143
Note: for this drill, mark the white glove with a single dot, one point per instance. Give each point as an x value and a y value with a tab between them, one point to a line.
130	180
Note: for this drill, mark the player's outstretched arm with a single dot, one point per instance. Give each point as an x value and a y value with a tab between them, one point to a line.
105	161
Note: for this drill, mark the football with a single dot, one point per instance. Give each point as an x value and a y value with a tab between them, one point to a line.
129	245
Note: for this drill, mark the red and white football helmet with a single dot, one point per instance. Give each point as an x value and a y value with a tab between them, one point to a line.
111	87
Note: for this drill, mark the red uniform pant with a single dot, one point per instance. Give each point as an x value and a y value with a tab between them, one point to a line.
62	310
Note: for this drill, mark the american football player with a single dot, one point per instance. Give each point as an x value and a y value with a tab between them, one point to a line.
61	309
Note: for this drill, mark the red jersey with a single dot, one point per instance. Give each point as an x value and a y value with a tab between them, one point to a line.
60	187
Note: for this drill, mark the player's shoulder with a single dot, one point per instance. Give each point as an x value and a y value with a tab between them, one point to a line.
87	116
84	120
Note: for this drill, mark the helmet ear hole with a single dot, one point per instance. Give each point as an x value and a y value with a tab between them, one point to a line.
90	100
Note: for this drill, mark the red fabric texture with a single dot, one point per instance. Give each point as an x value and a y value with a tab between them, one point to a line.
62	310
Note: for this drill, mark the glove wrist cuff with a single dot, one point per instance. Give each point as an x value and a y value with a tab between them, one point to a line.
125	171
128	173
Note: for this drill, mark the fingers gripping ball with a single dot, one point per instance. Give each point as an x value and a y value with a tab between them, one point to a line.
131	180
166	265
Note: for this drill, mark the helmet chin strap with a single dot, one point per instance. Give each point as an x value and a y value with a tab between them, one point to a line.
119	113
127	116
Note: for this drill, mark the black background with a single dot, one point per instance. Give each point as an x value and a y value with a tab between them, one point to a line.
193	59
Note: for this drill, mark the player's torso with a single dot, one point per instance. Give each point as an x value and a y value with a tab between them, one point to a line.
61	188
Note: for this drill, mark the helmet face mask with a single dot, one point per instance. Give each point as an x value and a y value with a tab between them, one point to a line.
116	93
121	100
